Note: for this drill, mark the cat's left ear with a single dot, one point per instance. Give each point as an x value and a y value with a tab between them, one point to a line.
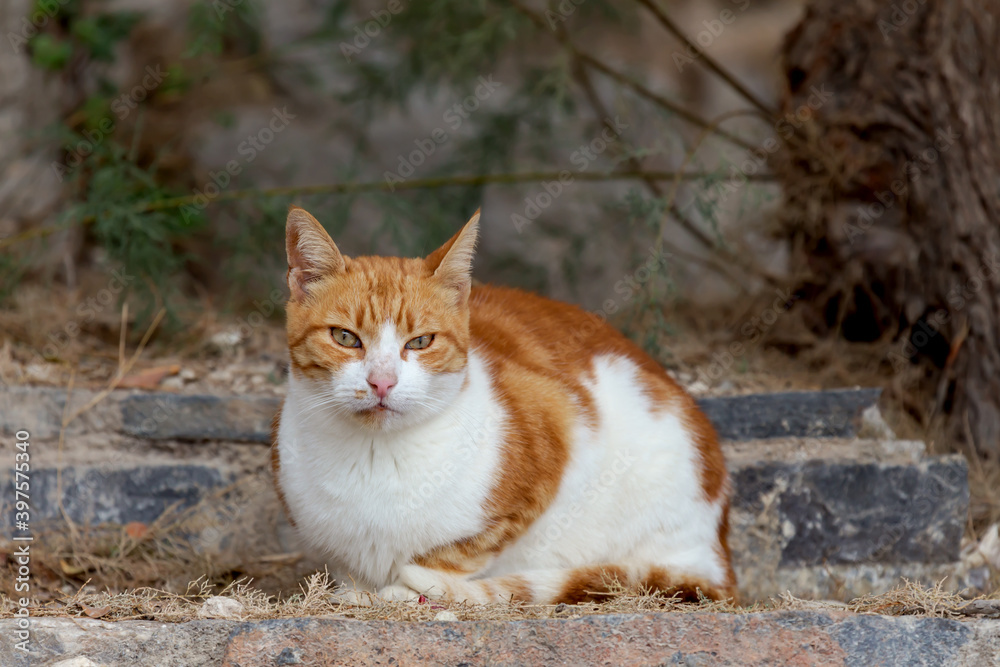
452	262
312	254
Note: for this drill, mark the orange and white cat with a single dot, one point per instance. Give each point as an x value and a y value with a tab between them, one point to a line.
484	443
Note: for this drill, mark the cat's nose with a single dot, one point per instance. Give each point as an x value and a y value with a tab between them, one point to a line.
382	384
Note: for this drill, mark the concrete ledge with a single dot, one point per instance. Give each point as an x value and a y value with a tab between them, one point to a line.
167	416
820	638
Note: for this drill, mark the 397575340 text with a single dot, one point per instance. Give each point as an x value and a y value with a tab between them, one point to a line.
22	538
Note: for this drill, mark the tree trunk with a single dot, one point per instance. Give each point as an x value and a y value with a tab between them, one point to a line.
892	180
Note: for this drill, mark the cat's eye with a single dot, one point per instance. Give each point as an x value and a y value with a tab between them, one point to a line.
345	337
420	342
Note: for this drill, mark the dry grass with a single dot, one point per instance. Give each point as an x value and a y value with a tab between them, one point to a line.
912	599
317	597
211	541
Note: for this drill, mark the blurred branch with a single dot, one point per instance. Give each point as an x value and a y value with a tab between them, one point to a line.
706	59
626	80
583	79
381	186
744	263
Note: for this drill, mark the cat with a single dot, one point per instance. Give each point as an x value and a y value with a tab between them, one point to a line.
482	444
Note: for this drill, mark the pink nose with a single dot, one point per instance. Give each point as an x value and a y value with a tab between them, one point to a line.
382	384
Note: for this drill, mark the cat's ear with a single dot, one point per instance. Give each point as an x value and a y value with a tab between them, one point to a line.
312	254
452	262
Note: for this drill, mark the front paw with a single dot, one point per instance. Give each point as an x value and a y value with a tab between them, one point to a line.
352	597
425	581
398	593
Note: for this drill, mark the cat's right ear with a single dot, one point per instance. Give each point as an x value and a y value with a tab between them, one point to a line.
312	254
452	262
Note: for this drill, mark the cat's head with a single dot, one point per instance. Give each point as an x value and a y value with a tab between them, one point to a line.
382	341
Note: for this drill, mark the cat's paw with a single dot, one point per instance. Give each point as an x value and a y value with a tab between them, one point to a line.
352	597
397	593
427	582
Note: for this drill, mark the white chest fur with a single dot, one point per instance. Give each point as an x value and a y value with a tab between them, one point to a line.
373	501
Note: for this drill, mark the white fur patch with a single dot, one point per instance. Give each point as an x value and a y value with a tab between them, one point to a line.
631	493
373	500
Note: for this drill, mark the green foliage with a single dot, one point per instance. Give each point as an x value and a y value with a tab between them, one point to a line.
48	52
93	35
223	25
116	195
99	33
12	269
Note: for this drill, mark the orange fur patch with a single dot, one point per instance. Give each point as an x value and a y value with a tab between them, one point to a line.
276	464
597	583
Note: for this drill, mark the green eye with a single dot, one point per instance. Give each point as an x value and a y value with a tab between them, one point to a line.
420	342
345	337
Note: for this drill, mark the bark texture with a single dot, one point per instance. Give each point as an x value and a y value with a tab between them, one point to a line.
893	188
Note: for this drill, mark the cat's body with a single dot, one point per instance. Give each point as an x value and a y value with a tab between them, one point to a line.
527	452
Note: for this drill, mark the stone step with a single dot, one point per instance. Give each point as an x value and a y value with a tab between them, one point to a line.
807	515
820	637
842	518
168	416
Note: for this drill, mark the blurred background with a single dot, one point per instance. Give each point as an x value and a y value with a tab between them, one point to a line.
764	194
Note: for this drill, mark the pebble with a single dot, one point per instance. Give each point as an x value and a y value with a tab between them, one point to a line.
445	616
79	661
226	340
221	607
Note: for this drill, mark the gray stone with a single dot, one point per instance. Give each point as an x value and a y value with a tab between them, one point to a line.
868	640
841	512
96	495
164	416
40	410
814	414
167	416
122	644
821	638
